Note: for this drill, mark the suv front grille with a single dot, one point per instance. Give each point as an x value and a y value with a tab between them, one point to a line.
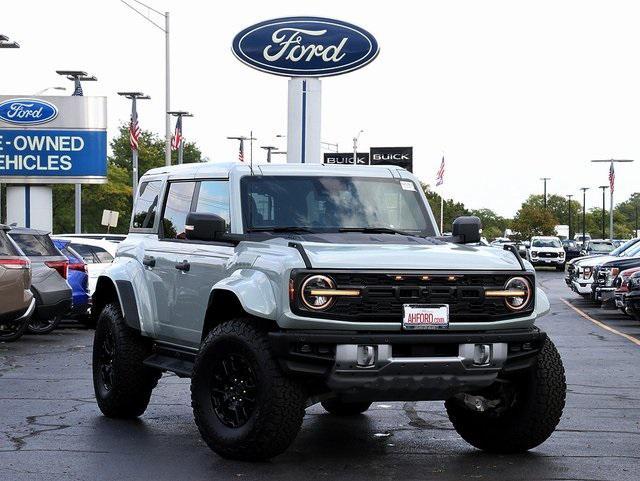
384	294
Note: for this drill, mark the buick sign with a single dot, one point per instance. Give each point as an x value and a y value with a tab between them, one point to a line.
305	47
27	111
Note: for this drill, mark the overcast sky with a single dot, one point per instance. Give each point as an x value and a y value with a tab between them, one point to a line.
509	91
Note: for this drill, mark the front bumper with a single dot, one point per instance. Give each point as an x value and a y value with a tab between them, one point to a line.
405	366
581	286
605	295
547	261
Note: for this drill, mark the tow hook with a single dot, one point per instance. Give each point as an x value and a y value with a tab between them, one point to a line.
478	403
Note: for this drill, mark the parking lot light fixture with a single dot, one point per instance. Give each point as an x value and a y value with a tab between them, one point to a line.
584	214
604	188
544	180
269	149
178	132
134	97
6	43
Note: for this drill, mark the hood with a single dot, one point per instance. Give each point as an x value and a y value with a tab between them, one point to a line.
594	260
622	262
396	257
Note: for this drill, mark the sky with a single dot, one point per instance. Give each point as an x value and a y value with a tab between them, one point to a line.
508	91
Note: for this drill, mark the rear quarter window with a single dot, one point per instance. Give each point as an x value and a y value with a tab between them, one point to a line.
36	245
6	247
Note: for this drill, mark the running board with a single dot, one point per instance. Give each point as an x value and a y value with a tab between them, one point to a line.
171	359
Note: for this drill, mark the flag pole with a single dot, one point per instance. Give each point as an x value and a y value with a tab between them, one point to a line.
441	214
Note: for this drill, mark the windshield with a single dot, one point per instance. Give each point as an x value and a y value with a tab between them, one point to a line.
624	248
546	243
632	251
332	204
600	247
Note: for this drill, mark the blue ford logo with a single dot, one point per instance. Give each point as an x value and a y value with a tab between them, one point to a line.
27	111
305	47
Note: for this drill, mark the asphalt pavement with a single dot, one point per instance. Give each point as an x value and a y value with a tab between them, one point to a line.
51	428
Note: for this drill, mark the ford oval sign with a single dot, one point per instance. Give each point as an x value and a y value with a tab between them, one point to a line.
27	111
305	47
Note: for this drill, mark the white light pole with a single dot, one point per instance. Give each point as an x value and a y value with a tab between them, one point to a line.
355	147
167	70
5	43
611	184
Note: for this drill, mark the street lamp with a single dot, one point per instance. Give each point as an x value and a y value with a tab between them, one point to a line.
5	43
134	133
611	184
77	76
241	139
269	149
167	70
603	187
178	132
570	223
584	213
544	179
355	147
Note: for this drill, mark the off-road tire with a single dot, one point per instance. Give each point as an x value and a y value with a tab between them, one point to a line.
34	326
341	408
278	401
14	333
132	382
529	421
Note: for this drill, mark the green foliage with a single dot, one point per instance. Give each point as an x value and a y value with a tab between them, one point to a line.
116	193
452	209
532	220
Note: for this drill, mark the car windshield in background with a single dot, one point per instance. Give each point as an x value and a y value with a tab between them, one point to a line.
600	247
555	243
333	204
36	245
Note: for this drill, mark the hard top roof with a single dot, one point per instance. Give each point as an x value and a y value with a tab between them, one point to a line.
27	230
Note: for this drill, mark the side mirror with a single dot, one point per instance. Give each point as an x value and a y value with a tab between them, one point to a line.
204	227
467	228
527	244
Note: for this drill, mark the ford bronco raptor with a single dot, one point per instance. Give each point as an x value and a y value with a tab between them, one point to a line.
280	286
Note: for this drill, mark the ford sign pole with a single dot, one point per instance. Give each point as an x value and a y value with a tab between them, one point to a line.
304	49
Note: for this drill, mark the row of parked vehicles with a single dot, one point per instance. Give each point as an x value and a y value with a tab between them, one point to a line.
611	279
44	279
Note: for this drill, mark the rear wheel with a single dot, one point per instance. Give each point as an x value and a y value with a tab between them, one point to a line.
244	406
122	383
12	330
37	325
518	415
341	408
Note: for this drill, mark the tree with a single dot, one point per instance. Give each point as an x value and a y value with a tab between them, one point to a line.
627	211
493	225
452	209
531	220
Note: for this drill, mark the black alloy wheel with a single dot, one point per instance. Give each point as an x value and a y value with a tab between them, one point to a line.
106	358
36	325
233	389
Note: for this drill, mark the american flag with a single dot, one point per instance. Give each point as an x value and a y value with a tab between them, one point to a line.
440	174
134	128
241	152
177	136
612	177
77	91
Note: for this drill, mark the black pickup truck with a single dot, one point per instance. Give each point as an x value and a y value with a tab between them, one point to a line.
605	274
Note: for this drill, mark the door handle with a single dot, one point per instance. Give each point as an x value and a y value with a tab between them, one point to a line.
183	266
149	261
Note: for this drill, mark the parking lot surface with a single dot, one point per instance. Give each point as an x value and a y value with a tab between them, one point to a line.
51	428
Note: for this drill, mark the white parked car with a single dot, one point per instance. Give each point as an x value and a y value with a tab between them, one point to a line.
547	251
97	253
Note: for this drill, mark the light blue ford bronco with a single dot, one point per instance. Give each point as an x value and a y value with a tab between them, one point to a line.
280	286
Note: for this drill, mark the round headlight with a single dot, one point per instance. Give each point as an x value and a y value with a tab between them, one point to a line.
314	283
519	302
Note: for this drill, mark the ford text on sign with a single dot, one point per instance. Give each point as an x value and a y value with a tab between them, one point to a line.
27	111
52	153
305	47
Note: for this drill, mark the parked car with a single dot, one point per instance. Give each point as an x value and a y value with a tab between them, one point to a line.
547	251
632	299
97	254
311	282
571	250
621	284
77	278
605	274
16	299
597	247
49	278
580	270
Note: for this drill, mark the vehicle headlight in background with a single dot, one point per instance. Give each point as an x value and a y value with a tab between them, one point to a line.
587	272
561	254
318	292
534	253
522	291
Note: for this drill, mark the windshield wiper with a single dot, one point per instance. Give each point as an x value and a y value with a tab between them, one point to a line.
289	228
376	230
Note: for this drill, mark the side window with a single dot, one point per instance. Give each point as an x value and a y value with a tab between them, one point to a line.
177	207
85	251
213	198
144	214
102	255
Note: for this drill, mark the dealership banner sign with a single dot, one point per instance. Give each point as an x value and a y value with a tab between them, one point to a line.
346	158
48	140
400	156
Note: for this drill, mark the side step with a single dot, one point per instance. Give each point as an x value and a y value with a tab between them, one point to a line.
169	358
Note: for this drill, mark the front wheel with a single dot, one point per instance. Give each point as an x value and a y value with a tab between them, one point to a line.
37	325
244	406
525	413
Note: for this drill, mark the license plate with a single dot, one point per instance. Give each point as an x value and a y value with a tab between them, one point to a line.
425	316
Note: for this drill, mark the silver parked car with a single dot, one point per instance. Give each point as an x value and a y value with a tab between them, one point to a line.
280	286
